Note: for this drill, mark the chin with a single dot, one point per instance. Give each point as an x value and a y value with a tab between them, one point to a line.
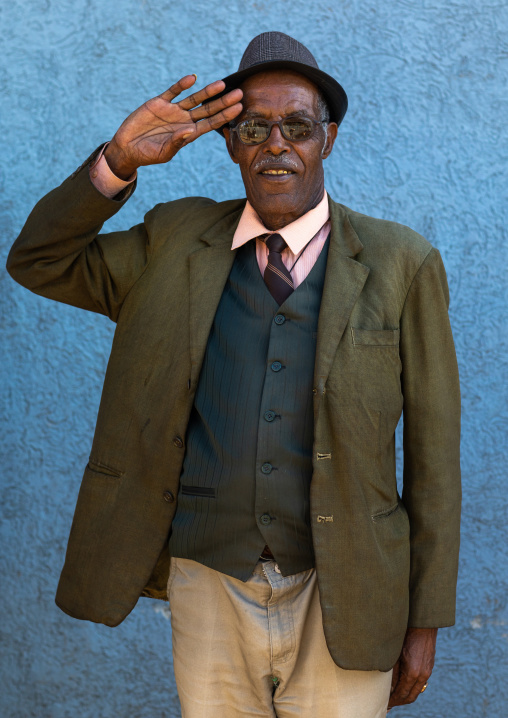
279	201
276	211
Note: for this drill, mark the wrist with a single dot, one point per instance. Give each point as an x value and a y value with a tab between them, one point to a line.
118	163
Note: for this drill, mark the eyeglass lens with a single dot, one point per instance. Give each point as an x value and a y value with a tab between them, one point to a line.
253	132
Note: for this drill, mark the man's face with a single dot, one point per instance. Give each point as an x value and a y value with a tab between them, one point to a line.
282	198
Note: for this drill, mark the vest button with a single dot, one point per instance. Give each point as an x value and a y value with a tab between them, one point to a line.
279	319
269	416
168	497
266	468
178	442
265	519
276	366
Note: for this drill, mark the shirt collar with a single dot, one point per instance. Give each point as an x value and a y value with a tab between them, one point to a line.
297	234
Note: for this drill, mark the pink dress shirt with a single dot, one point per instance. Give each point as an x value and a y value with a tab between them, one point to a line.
305	236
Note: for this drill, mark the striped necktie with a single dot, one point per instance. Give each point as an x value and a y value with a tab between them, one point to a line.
277	277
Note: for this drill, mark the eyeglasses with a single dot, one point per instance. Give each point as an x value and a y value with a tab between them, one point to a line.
257	131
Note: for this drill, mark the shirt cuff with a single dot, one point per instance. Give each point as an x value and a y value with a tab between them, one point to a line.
104	179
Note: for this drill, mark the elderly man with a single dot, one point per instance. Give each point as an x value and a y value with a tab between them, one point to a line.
264	351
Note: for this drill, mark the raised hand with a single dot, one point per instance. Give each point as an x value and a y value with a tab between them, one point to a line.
155	132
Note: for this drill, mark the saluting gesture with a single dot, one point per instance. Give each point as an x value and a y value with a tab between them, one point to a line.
155	132
354	313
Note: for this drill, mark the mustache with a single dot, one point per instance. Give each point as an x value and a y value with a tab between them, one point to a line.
271	162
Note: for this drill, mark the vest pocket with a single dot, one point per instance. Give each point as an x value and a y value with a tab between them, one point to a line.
203	491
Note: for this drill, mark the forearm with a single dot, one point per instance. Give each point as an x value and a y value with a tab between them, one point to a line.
431	492
60	254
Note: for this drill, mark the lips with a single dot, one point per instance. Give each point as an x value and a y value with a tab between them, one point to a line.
277	173
280	167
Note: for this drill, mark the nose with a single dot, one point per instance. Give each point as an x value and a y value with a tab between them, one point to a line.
276	143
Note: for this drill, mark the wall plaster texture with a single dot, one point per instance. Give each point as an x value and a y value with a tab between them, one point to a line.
424	143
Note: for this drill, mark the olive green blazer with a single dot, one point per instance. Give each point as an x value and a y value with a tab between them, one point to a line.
384	345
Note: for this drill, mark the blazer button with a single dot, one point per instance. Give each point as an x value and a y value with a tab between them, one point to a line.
168	497
265	519
177	441
279	319
266	468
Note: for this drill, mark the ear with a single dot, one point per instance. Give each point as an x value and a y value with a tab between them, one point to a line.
331	136
229	143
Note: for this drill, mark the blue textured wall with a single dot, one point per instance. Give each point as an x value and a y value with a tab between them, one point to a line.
424	143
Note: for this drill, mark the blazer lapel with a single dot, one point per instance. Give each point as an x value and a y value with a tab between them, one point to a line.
344	281
209	269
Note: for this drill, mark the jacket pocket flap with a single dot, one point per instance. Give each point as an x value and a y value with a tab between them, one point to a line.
375	337
386	512
99	468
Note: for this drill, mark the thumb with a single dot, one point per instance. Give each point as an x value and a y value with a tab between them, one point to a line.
395	675
180	139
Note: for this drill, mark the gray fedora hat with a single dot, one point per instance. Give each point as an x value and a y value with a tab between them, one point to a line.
275	51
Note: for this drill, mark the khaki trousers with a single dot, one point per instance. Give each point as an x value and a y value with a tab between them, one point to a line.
258	648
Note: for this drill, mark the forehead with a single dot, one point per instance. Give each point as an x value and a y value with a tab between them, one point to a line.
279	92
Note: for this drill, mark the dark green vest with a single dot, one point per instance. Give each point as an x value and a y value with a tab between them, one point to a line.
248	465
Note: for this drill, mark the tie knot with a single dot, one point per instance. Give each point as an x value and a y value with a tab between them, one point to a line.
276	243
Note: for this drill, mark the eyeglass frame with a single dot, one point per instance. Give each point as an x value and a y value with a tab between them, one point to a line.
271	123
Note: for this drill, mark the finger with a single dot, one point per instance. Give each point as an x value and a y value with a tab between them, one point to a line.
409	685
183	84
183	136
415	692
404	688
202	95
216	106
221	118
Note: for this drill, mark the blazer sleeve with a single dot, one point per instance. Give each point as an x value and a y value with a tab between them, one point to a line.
60	254
431	492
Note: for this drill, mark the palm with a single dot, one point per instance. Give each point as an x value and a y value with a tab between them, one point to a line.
149	131
155	132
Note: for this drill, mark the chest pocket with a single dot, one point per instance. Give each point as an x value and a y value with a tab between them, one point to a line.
375	337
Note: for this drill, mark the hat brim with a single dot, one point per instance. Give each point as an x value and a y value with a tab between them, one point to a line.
334	92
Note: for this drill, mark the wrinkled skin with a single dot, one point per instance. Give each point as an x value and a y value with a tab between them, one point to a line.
413	669
280	200
157	130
